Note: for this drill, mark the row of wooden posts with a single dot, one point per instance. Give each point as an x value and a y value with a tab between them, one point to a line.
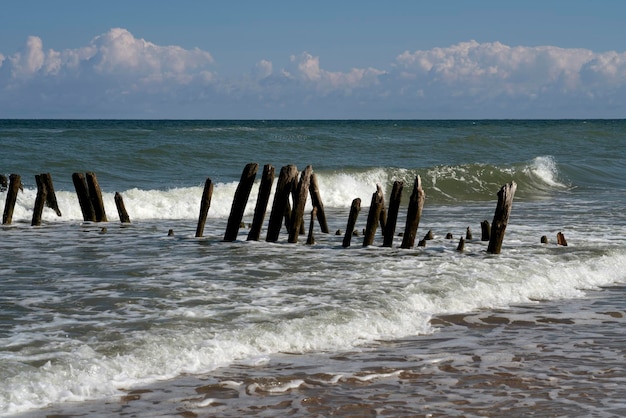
292	184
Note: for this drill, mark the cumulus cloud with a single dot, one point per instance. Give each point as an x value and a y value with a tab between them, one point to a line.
119	75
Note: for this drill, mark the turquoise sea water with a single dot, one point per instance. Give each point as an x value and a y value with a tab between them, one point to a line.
87	315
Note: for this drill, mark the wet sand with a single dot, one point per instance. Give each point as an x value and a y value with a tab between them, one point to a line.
559	358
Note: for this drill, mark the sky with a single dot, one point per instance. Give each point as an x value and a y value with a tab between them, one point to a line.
437	59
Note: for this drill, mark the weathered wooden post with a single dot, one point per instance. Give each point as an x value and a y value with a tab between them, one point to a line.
82	191
265	188
121	208
316	200
51	197
392	216
297	214
239	201
373	217
15	184
468	234
485	229
40	200
501	217
414	213
205	204
311	238
286	180
560	239
95	195
461	245
355	208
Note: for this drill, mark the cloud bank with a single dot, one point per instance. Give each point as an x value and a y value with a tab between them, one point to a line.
117	75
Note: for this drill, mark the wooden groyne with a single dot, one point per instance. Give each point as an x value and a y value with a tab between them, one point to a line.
287	211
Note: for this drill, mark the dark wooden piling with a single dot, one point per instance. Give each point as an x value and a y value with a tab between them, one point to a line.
485	229
560	239
286	180
382	218
205	204
40	200
82	192
316	200
544	239
461	245
501	217
414	213
239	201
51	197
355	208
121	208
15	184
297	214
468	234
311	238
265	188
373	217
95	195
392	214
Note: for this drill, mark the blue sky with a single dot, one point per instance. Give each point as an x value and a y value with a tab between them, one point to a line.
310	60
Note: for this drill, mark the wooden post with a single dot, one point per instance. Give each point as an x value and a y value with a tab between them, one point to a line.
239	201
40	200
485	229
51	197
15	184
82	191
311	239
121	209
392	217
354	214
560	239
316	200
501	217
4	182
205	204
468	234
461	245
265	188
373	217
286	180
414	213
96	196
382	217
297	214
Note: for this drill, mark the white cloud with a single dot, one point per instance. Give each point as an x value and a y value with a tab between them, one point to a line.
119	75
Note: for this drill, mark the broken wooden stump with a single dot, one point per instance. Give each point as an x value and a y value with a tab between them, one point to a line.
40	200
15	184
82	192
373	217
239	201
265	188
355	208
297	214
316	200
429	235
544	239
95	195
121	208
392	216
414	213
468	234
311	238
501	217
560	239
461	245
485	229
205	204
286	179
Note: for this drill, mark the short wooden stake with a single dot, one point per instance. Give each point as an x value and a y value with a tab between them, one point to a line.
95	194
461	245
355	208
373	217
121	209
205	204
485	229
468	234
239	201
15	184
311	238
297	215
316	200
560	239
40	200
414	213
265	188
392	216
544	239
286	179
429	235
501	217
82	192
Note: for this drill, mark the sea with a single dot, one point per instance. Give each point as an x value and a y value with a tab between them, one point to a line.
146	319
